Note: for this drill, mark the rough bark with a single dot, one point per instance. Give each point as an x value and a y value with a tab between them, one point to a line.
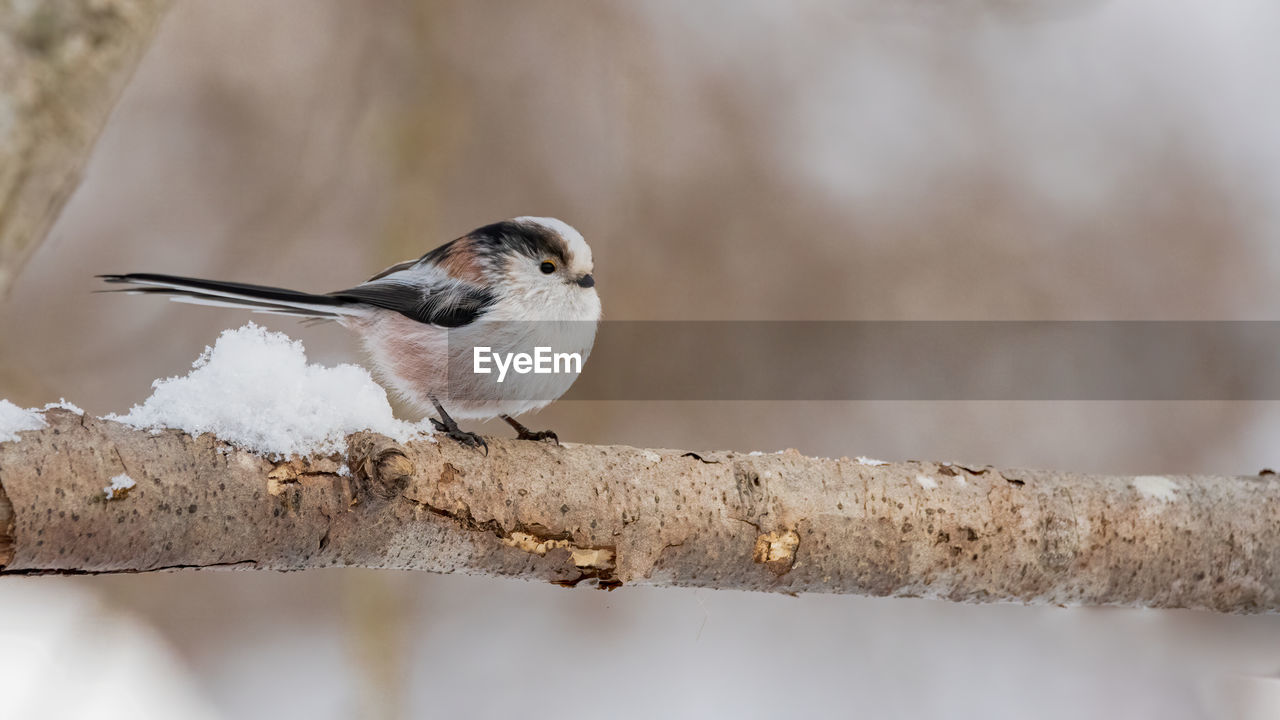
614	515
63	63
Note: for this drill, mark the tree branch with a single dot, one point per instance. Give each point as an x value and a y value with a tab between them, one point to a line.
615	515
63	63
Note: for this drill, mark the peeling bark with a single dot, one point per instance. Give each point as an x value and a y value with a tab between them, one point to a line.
610	516
63	63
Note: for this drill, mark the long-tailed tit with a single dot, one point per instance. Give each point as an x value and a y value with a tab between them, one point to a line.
513	285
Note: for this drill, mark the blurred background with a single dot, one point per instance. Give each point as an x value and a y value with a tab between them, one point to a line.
862	160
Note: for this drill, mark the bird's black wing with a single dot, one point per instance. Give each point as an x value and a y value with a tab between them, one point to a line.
450	303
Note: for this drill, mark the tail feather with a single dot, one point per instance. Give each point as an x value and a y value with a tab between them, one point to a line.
259	298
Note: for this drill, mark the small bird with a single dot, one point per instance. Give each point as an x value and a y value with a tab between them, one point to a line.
510	287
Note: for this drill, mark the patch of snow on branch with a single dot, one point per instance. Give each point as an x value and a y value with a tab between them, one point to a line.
1156	487
63	405
255	389
119	487
14	420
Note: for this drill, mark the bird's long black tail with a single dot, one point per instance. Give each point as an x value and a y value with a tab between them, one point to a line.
258	298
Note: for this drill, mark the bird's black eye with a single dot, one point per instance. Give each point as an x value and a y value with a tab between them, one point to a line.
547	267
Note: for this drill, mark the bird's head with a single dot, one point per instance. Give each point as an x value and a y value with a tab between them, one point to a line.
542	265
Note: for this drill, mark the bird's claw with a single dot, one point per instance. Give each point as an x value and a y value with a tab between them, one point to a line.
460	436
524	433
537	435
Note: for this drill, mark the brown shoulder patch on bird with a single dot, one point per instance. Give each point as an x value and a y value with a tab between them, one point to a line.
461	261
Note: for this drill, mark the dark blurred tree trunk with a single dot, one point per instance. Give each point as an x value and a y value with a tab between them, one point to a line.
63	64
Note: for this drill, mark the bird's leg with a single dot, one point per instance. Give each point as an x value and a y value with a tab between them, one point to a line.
524	433
447	426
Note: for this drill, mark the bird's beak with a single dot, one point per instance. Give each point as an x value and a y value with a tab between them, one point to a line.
586	281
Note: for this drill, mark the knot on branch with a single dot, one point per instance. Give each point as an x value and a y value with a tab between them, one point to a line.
381	467
753	493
